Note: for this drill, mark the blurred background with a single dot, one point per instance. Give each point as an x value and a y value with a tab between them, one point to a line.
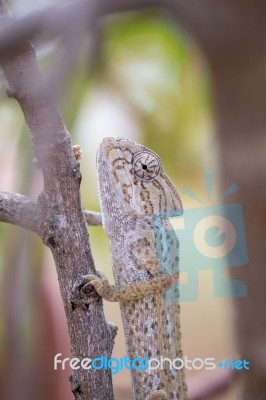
147	82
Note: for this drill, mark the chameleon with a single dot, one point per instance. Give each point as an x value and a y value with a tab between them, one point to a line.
133	188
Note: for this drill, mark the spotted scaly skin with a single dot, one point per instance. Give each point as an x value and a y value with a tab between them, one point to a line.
133	187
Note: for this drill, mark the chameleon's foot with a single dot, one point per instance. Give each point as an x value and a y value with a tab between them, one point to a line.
77	152
101	285
158	395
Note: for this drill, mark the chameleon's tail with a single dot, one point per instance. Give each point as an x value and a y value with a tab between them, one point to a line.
158	395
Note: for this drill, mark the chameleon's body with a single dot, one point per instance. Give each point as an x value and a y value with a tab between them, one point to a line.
133	187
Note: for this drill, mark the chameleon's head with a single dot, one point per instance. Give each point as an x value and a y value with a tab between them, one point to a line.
134	176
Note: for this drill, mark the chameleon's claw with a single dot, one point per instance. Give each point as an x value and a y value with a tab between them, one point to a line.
93	280
101	275
99	282
77	152
89	278
98	276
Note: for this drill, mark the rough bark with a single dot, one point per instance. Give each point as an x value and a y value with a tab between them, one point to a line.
19	210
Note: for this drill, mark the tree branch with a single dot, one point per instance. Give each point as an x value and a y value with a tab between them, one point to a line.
93	218
19	210
55	21
22	211
58	21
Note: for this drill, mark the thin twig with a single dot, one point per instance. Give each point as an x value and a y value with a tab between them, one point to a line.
19	210
55	21
93	218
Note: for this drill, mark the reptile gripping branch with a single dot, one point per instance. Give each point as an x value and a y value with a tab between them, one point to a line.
133	188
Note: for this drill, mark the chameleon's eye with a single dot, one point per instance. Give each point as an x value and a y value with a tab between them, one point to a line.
146	166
